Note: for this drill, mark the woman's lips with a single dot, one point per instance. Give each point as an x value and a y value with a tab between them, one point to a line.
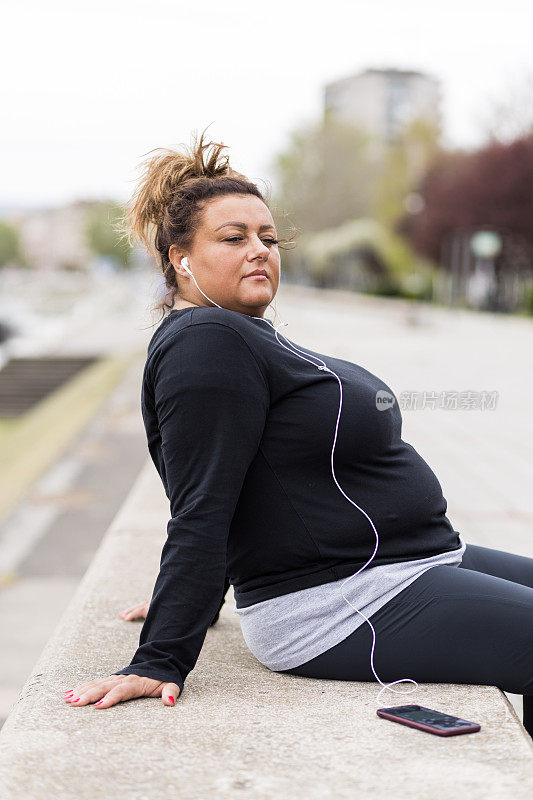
257	277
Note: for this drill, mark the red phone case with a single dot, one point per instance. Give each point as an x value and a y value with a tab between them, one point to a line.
465	727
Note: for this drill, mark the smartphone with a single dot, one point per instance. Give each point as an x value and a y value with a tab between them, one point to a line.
426	719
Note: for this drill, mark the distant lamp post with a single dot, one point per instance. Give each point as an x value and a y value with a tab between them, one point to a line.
486	247
486	244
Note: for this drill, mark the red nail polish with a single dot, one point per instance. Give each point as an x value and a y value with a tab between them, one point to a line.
98	703
76	700
171	700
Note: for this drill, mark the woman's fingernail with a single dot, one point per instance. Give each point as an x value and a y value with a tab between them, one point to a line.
76	700
171	700
98	703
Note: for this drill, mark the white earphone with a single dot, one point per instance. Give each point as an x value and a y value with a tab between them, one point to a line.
185	264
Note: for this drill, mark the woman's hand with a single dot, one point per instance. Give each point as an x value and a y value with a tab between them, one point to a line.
105	692
138	611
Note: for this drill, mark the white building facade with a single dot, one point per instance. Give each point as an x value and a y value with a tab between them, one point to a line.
383	101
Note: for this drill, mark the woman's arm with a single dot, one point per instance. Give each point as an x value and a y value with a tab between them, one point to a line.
140	610
212	401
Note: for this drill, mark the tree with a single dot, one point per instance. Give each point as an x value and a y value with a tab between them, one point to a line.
9	244
101	234
327	175
464	192
491	187
404	164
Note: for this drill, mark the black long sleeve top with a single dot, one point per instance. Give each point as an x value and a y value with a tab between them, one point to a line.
241	430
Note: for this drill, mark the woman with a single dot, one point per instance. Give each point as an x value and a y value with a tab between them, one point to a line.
240	425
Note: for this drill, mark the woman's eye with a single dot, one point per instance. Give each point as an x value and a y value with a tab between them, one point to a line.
239	239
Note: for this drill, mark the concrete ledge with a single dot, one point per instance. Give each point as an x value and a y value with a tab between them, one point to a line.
239	729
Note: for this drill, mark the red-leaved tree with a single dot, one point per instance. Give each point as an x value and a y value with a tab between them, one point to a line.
467	191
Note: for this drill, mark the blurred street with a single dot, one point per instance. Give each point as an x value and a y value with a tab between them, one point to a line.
48	541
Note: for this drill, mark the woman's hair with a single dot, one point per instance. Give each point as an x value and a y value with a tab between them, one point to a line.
166	207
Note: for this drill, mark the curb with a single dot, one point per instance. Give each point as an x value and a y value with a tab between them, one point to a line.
46	431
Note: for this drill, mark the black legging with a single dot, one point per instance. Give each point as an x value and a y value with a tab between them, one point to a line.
470	624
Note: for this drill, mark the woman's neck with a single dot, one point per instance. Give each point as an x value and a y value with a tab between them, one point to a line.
184	304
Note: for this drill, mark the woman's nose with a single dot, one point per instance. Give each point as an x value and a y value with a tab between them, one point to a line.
259	248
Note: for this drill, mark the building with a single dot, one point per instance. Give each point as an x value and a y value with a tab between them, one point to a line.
54	238
383	101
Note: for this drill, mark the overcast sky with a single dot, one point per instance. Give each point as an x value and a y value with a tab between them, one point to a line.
88	88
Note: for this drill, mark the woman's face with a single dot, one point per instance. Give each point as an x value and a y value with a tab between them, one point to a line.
237	237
